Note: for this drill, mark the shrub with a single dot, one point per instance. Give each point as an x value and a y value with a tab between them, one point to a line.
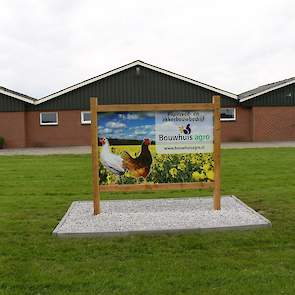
2	141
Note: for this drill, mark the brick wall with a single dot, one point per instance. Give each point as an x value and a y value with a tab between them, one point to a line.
263	123
23	129
69	130
273	123
12	128
239	130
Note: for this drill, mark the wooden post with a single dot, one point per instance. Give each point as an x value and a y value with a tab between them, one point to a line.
217	141
95	156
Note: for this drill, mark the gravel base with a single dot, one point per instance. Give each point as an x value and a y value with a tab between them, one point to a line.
158	215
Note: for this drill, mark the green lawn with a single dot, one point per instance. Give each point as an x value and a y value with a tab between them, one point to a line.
36	191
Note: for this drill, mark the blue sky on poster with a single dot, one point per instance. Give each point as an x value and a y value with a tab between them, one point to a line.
140	125
235	45
132	125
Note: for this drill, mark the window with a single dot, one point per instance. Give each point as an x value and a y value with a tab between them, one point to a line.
49	118
228	114
85	117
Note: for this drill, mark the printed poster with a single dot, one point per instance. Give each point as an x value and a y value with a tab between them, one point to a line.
156	147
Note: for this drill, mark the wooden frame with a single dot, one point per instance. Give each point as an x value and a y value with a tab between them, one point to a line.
96	109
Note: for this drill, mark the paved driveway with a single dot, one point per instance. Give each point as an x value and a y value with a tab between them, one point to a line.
86	149
249	145
76	150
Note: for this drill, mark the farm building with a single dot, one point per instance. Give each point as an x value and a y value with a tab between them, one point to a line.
265	113
271	110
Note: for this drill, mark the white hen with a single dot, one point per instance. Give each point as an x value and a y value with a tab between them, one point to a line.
109	160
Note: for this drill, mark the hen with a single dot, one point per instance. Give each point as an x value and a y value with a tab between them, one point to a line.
139	166
109	160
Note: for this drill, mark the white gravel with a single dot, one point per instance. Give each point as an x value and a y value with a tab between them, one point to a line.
158	215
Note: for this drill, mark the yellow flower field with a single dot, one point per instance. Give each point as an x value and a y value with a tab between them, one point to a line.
165	168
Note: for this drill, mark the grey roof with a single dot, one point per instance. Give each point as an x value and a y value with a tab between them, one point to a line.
265	88
14	93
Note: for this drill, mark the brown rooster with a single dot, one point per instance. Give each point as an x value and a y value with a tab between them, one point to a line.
139	166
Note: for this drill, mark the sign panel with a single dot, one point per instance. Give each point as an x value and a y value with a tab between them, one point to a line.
182	132
156	147
169	149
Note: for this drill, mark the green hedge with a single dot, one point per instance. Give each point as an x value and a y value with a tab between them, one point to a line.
2	141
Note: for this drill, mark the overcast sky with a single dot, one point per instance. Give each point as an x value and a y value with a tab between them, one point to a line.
235	45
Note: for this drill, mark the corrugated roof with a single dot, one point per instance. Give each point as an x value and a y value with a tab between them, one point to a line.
264	89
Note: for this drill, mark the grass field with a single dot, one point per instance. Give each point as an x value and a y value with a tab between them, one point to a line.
36	191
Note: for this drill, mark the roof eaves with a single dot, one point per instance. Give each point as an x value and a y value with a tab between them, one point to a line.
192	81
17	95
266	90
86	82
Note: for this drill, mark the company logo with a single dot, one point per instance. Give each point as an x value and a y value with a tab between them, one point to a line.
185	134
187	130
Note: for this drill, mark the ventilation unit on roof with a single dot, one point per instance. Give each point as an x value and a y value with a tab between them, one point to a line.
138	70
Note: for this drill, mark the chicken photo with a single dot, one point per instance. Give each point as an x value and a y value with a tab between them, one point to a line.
139	166
109	160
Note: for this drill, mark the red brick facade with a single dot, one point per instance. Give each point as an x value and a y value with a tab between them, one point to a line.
13	129
240	129
273	123
252	124
69	130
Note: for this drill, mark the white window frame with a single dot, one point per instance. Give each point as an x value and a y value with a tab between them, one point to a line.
229	119
83	122
48	124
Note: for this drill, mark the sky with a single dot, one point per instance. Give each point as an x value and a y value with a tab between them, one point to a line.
234	45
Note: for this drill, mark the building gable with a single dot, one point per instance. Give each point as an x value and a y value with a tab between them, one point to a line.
136	83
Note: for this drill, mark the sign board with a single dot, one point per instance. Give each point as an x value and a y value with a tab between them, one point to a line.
183	132
153	147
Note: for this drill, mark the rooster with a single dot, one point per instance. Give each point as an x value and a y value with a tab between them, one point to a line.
139	166
109	160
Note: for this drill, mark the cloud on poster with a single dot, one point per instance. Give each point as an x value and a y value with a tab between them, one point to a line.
129	116
115	125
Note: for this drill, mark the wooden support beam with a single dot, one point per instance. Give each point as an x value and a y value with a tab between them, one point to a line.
155	186
95	156
155	107
216	152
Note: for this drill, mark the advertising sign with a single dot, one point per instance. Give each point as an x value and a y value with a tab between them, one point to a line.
156	147
182	132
